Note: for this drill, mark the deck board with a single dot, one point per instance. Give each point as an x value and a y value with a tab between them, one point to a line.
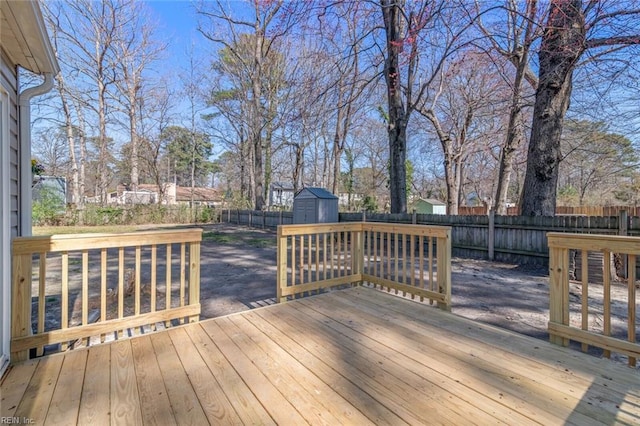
357	356
96	391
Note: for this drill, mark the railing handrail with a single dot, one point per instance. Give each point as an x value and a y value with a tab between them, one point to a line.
594	242
67	242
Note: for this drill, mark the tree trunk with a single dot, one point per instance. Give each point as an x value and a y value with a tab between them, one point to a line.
397	125
68	124
256	131
562	44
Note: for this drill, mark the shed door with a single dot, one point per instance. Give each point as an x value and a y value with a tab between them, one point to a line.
5	233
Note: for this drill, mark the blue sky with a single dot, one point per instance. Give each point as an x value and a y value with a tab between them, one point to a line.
177	23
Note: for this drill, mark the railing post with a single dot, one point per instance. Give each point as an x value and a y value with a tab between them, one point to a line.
281	271
558	291
194	277
492	235
443	253
21	302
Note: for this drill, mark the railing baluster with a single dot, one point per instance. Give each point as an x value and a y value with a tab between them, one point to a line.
168	285
432	282
421	260
85	289
154	277
183	279
309	259
607	300
103	289
585	295
396	251
294	270
332	237
64	299
120	286
317	257
42	297
631	317
324	255
137	280
301	261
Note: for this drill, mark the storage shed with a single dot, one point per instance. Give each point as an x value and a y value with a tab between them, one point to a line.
315	205
430	206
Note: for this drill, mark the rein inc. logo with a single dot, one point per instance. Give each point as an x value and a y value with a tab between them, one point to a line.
16	421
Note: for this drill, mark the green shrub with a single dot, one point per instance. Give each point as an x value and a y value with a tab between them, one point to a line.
48	208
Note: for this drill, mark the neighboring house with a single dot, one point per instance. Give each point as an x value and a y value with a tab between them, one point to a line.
429	206
281	195
347	200
172	195
23	43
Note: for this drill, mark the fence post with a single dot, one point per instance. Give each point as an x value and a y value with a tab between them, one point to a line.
491	240
264	219
364	215
414	217
229	215
21	302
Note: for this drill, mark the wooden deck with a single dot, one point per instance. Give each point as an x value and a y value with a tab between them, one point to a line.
355	356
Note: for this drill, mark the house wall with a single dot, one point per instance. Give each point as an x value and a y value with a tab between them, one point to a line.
9	81
9	195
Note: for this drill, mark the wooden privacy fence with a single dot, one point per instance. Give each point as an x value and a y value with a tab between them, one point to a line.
591	322
91	285
411	259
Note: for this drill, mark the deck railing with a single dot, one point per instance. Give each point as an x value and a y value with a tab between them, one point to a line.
68	289
592	323
412	259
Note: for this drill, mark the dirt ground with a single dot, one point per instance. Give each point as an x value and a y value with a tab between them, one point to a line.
239	272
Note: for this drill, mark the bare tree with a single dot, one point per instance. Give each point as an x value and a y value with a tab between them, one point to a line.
573	28
430	30
136	48
514	45
270	22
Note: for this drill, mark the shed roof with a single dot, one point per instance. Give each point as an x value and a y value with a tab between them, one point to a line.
432	201
319	193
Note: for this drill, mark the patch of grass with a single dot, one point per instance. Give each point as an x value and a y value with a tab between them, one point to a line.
235	238
105	229
261	242
217	237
